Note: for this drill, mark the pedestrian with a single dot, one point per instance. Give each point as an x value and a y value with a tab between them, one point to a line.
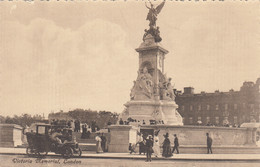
75	126
78	126
209	143
98	144
84	132
176	144
156	146
121	122
103	142
69	124
132	148
149	148
141	143
166	146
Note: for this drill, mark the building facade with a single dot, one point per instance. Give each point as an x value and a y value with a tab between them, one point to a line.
220	108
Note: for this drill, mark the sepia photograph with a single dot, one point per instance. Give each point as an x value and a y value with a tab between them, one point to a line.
130	83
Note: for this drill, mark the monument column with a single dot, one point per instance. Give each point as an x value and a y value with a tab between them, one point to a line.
152	96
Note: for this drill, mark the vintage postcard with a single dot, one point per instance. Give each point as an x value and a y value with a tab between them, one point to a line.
130	83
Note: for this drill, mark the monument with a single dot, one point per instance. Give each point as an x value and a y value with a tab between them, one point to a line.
152	107
152	96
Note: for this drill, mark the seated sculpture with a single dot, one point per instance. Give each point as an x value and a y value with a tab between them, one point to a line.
143	84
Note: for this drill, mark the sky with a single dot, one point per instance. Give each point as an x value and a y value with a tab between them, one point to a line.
81	54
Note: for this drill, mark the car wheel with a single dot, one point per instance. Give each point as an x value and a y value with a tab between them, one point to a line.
29	152
77	152
68	152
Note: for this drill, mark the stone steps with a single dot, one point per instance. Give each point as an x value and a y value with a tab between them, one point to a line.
85	144
87	147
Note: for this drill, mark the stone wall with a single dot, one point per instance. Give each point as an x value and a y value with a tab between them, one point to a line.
196	135
10	135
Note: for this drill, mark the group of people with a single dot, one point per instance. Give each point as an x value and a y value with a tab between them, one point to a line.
75	125
129	120
60	136
149	144
199	123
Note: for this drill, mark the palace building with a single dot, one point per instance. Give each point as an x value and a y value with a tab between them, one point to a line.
220	108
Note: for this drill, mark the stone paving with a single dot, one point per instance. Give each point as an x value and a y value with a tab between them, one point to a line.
198	157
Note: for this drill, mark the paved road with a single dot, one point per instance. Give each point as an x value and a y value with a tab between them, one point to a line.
24	161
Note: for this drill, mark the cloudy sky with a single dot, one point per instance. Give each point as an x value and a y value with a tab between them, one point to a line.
67	55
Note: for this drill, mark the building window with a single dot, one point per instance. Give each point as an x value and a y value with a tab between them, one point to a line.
235	119
217	120
199	122
226	106
183	108
191	120
252	119
208	107
191	107
244	105
199	107
199	118
217	106
225	121
235	106
208	119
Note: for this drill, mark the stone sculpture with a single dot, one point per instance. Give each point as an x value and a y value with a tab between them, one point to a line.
143	85
152	17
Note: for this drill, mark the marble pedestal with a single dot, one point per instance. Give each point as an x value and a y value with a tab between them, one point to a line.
10	135
120	137
153	110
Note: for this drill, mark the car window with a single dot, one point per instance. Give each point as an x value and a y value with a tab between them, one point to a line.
41	129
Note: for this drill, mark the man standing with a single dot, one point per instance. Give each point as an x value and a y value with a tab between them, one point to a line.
149	148
176	144
209	143
103	142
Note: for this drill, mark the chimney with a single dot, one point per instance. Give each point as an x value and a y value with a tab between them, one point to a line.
188	90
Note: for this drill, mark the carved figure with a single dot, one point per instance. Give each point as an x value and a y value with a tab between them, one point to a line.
132	94
143	84
166	88
170	89
153	12
152	17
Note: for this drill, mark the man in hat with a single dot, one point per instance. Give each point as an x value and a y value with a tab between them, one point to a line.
176	144
209	143
149	148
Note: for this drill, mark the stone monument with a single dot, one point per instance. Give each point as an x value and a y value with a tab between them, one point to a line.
152	100
152	95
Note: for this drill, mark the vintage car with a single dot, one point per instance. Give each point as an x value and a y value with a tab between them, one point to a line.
41	140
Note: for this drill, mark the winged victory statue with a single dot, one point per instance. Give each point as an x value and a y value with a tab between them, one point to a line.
152	17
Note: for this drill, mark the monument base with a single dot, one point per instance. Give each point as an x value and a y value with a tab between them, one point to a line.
159	110
196	135
192	139
10	135
120	137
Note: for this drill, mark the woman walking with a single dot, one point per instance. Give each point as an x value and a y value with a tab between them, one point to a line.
156	145
98	144
166	146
